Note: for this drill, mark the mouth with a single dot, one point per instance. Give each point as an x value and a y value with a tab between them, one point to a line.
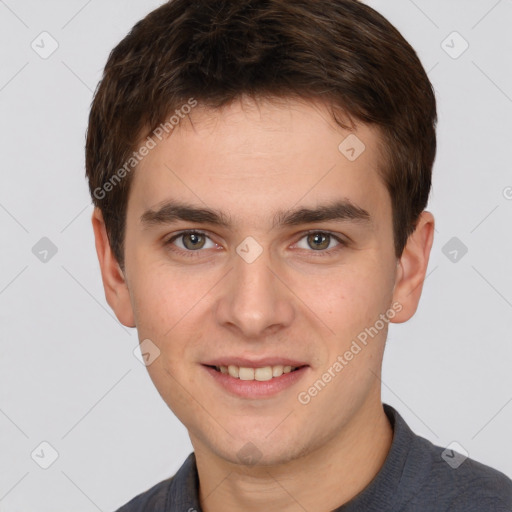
258	381
261	374
251	378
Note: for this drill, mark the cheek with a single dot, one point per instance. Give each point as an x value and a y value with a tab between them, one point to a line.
350	297
158	303
164	314
170	308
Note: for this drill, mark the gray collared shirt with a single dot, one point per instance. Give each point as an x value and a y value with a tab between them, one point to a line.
416	477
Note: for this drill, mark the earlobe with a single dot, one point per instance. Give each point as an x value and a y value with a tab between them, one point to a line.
412	267
114	282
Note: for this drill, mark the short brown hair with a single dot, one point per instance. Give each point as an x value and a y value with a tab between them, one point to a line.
339	51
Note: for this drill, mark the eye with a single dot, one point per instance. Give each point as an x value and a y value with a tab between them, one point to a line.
191	241
320	241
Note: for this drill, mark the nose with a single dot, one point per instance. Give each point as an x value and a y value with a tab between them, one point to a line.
255	302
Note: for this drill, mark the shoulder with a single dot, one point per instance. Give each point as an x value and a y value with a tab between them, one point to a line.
425	476
457	483
177	492
153	499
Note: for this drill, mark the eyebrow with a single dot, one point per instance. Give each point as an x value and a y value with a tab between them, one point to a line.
173	211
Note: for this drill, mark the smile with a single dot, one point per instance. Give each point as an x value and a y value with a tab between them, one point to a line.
260	374
255	382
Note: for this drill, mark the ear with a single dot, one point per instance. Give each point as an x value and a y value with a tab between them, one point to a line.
412	268
114	283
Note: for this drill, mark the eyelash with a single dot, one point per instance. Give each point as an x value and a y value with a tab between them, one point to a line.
194	254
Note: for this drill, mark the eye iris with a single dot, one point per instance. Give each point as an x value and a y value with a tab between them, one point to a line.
195	239
317	243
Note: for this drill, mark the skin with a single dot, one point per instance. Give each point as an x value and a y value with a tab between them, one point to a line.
251	160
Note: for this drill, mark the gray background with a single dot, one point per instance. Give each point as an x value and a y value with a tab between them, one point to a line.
68	375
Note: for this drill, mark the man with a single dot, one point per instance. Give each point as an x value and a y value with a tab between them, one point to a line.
260	171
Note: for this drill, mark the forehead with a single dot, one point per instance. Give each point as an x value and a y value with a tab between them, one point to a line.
253	159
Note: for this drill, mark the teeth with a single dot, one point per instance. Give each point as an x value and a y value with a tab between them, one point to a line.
277	370
233	370
260	374
246	373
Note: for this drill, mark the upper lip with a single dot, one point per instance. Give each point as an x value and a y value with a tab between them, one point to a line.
254	363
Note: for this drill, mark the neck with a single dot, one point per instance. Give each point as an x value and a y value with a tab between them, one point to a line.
320	480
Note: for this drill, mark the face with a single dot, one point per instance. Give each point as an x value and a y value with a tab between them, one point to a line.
253	242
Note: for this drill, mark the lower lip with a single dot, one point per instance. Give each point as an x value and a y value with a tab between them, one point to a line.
256	388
